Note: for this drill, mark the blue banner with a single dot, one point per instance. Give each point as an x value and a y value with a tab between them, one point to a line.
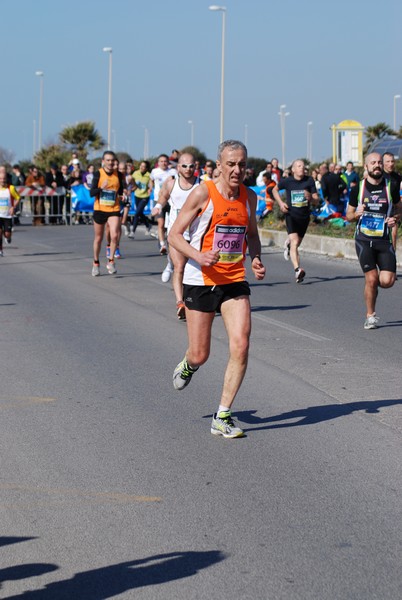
81	201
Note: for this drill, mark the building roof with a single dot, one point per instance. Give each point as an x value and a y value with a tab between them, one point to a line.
388	143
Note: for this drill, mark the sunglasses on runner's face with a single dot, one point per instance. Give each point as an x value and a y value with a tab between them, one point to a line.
190	166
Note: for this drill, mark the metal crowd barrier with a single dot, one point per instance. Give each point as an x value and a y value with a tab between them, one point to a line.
45	204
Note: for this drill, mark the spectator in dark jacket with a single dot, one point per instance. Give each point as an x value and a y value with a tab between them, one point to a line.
54	179
333	188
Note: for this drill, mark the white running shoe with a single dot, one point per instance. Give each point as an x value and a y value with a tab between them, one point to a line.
167	273
1	253
223	424
131	235
163	249
111	268
371	322
95	270
300	275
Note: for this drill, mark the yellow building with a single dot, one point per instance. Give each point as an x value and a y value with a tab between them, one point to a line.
347	142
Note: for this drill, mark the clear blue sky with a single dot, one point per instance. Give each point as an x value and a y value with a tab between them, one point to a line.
327	61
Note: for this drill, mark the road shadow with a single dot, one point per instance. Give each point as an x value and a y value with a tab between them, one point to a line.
269	283
7	540
25	571
18	572
109	582
282	308
130	275
45	253
312	414
390	324
313	280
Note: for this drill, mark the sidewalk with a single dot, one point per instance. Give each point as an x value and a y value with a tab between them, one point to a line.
317	244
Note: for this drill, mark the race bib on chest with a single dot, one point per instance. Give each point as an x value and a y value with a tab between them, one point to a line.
4	202
229	241
372	225
298	199
107	197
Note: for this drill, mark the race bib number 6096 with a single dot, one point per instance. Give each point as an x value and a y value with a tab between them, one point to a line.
229	241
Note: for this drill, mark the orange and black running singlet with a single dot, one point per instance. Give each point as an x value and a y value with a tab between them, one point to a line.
222	225
108	198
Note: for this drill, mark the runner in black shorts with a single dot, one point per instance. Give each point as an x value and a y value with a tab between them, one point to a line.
374	204
107	187
209	298
300	190
222	222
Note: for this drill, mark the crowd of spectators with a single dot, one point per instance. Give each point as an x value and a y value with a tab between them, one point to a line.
333	183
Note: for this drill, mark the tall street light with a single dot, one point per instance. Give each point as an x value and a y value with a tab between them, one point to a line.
146	143
40	74
282	115
109	112
223	11
310	141
396	97
191	132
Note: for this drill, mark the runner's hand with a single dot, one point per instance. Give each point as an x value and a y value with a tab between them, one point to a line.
258	268
391	221
208	259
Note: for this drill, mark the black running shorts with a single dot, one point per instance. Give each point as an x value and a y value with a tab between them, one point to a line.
208	298
297	224
376	253
6	224
100	216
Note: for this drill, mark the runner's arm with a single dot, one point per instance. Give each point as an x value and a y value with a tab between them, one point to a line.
95	190
355	209
164	196
282	205
191	208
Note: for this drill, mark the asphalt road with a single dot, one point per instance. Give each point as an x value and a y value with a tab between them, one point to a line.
111	485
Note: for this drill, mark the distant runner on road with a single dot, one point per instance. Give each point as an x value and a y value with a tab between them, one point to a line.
373	205
107	187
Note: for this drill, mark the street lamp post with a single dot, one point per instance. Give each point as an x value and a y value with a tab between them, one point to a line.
222	9
396	97
40	74
109	112
191	123
34	138
310	141
146	143
282	115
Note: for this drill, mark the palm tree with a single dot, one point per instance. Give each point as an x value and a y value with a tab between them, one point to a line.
82	137
373	132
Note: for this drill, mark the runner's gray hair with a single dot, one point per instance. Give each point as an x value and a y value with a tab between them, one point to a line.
233	145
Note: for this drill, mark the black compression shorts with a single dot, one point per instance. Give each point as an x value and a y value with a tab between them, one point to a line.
376	253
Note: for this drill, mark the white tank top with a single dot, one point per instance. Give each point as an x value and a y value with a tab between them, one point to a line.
5	203
177	198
